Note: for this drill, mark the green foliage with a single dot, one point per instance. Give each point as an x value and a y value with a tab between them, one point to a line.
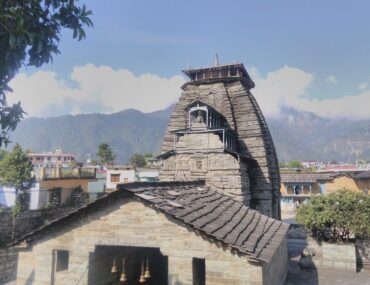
105	154
283	164
17	208
29	35
138	159
295	164
3	152
337	217
16	171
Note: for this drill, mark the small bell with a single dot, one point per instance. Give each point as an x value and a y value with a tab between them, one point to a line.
114	267
123	277
147	272
142	277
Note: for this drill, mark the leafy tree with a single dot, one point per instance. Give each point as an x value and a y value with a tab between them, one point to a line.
338	216
283	164
3	152
105	154
138	159
295	164
16	171
29	36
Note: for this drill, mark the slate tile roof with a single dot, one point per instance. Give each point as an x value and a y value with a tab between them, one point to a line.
363	175
215	215
212	214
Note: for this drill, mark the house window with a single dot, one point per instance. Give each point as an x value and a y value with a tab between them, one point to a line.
114	177
62	259
199	271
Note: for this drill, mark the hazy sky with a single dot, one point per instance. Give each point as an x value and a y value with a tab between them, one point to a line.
308	55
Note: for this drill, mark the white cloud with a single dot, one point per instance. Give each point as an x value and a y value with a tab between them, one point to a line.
363	86
103	89
331	79
287	87
280	88
99	89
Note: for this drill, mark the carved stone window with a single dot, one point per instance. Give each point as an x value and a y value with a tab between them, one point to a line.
198	164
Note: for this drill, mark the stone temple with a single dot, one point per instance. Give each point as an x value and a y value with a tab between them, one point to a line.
212	219
217	133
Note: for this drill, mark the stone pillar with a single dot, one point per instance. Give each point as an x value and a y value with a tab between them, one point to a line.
180	270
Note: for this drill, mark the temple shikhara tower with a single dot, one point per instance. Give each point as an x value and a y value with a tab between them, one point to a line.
217	133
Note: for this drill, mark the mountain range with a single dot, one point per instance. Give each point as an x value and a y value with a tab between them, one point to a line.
297	135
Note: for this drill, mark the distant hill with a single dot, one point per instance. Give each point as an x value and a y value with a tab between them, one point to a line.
304	135
127	132
297	135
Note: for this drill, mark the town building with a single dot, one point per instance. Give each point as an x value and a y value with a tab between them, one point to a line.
145	174
119	174
96	188
51	159
211	219
297	188
344	167
52	187
129	173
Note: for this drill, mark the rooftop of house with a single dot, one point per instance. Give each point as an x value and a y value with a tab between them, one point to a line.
58	152
304	177
215	216
362	175
121	167
314	177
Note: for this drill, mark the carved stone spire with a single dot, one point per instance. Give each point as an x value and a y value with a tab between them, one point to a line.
234	152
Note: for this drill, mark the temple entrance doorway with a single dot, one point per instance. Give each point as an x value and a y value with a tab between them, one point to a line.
124	265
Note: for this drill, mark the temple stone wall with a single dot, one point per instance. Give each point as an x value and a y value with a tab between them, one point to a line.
24	223
276	271
363	254
256	140
121	227
222	171
198	142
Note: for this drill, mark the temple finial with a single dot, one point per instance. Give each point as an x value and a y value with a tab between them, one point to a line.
217	62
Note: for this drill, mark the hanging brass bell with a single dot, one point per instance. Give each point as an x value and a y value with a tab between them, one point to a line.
142	277
123	277
114	267
147	272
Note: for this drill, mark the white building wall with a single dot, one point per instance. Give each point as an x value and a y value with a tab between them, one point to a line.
143	174
37	199
125	176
